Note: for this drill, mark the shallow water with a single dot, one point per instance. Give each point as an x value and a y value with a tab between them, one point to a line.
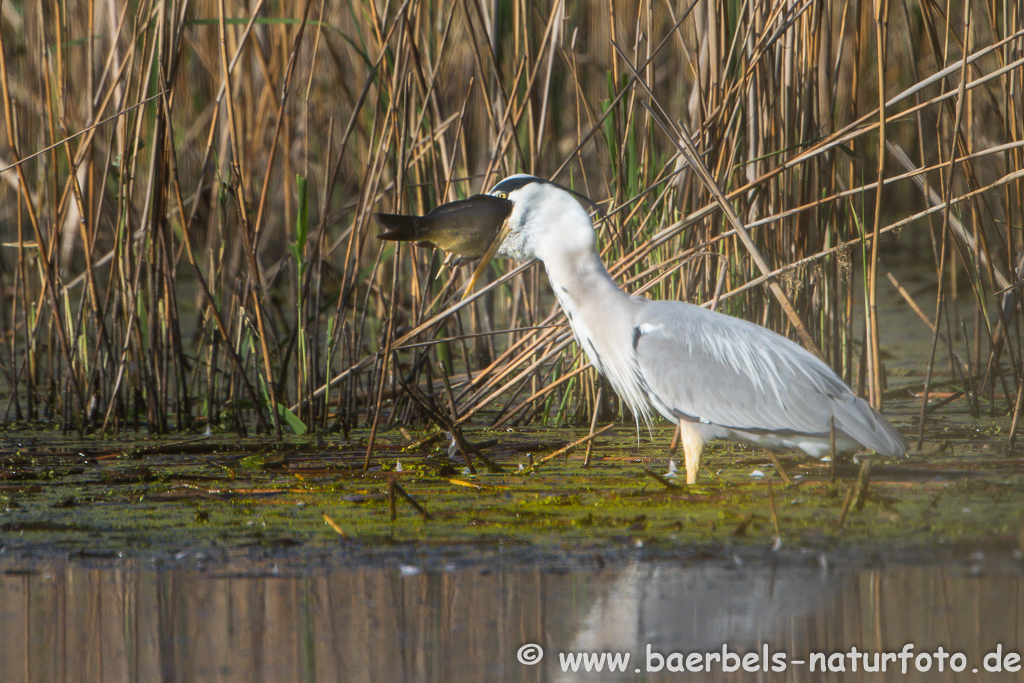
275	619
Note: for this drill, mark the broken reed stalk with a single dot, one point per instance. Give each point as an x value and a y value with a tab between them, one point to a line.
593	426
832	449
392	486
774	511
456	429
856	494
334	525
660	479
778	468
677	436
445	423
395	489
1012	439
845	510
741	528
574	444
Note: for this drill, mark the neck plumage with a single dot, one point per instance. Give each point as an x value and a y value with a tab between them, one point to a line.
580	280
601	316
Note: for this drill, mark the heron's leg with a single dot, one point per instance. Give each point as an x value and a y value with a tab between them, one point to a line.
693	448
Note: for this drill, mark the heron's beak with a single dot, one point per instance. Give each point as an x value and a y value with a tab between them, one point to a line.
472	228
479	270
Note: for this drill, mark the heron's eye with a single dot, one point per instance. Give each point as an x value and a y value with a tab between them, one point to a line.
501	195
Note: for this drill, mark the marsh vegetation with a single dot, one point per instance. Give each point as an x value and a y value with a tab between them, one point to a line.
188	188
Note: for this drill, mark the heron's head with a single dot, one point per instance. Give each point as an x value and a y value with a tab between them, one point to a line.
545	219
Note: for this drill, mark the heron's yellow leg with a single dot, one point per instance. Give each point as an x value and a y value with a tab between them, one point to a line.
693	448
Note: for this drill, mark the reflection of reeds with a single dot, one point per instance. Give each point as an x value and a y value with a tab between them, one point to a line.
250	618
144	271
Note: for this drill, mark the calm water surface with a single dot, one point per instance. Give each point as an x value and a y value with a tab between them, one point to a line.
143	620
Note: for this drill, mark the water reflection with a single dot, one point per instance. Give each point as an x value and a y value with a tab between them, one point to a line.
139	621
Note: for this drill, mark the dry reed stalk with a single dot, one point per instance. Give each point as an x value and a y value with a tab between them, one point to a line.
872	338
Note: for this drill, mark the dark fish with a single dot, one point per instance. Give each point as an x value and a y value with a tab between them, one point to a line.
467	227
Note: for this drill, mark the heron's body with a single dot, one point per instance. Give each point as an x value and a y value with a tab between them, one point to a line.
717	376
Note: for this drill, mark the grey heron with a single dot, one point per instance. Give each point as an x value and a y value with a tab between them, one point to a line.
716	376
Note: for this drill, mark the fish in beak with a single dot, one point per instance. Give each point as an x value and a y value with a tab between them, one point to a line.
472	228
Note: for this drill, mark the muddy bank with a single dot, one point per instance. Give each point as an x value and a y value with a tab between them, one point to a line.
166	497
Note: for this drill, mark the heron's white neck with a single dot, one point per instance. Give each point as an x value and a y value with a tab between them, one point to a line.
601	316
580	280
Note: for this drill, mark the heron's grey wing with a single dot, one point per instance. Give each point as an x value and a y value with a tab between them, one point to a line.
713	368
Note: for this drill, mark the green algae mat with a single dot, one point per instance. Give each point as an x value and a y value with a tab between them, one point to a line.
106	496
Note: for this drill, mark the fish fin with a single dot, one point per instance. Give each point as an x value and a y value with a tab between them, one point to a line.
397	227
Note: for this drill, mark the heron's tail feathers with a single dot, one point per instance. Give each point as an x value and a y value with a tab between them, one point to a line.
865	425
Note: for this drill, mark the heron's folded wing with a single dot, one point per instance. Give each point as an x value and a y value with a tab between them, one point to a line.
717	369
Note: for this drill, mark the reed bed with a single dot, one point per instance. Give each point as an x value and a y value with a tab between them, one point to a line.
188	189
